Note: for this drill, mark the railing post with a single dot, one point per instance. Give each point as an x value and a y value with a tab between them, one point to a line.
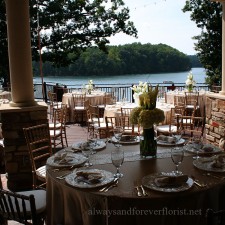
45	97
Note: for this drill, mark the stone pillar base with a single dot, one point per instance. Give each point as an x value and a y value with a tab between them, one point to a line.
17	160
23	104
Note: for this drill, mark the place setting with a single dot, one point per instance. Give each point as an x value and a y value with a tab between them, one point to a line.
96	144
170	141
215	163
120	138
174	181
197	145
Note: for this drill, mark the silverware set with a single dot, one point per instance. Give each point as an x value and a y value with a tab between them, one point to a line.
140	191
198	183
110	186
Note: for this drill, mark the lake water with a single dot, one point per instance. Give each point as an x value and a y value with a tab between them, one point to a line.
180	77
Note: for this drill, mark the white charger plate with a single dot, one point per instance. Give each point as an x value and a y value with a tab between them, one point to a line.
73	180
76	160
149	182
99	146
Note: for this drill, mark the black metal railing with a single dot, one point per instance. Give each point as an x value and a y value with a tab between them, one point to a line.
121	90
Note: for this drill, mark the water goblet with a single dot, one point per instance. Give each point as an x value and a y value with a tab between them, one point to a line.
197	143
177	155
93	144
177	136
118	132
117	157
86	151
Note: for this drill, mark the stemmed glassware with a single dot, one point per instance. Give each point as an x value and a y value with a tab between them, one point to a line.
86	151
197	143
177	155
118	132
177	136
93	144
117	156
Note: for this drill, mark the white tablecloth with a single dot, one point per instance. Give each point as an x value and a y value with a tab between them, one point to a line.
201	99
95	98
114	110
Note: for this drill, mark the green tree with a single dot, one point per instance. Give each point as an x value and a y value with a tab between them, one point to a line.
208	17
68	27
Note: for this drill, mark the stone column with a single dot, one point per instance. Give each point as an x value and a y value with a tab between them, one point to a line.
222	92
19	48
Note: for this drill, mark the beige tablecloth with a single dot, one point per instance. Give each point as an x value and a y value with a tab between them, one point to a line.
96	98
73	206
201	99
114	110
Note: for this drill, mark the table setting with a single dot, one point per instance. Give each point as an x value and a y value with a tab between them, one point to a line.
145	183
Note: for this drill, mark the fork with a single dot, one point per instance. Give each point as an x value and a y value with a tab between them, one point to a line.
62	176
139	194
111	186
143	191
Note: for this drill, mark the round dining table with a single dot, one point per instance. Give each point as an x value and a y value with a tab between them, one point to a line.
115	109
95	98
69	205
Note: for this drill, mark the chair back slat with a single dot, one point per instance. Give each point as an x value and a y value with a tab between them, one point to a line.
39	147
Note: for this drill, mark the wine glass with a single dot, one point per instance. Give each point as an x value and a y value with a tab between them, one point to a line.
118	132
197	143
86	151
177	136
177	155
93	143
117	156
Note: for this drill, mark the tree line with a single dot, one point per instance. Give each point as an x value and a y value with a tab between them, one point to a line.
133	58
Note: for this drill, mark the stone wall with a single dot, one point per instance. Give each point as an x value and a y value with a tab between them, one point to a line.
215	119
17	161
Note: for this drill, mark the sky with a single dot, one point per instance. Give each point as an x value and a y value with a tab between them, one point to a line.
160	21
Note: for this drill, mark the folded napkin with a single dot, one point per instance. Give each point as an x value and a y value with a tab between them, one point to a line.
128	138
88	176
168	181
62	158
219	162
167	139
207	149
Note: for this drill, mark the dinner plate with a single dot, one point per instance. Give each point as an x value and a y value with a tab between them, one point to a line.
75	181
206	164
189	148
99	146
73	160
148	182
165	143
127	140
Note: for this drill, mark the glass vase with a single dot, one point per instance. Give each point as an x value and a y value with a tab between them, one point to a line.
148	143
190	88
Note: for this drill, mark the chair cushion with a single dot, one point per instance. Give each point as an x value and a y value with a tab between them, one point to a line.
40	199
41	172
166	128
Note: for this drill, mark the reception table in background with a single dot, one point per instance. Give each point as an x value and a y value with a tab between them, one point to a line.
74	206
95	98
114	110
181	94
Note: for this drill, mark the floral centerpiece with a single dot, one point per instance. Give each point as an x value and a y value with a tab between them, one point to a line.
90	86
190	82
146	115
138	90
